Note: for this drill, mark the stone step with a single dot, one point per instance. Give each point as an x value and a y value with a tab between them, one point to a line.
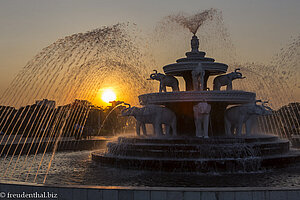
199	151
197	140
199	165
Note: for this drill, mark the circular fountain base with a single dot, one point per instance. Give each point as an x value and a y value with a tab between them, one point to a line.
185	154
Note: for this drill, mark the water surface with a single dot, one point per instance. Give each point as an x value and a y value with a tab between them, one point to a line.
79	168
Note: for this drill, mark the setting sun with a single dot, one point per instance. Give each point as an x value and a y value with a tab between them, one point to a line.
108	95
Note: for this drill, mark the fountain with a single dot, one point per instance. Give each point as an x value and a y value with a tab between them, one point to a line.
203	126
206	127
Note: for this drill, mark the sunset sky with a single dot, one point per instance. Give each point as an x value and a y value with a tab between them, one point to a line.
258	28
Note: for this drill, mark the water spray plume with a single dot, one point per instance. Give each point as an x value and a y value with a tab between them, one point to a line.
79	64
193	22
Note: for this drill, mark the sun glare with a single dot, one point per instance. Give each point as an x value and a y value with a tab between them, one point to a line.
108	95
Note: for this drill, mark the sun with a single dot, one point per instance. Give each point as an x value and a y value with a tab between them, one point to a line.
108	95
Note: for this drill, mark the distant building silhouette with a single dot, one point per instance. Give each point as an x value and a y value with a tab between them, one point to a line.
45	102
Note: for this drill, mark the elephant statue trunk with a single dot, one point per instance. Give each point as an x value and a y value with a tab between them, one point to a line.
239	73
123	112
268	109
153	76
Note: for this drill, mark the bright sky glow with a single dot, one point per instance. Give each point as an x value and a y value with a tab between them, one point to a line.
108	95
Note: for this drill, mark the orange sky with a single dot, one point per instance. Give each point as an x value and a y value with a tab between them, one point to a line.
258	28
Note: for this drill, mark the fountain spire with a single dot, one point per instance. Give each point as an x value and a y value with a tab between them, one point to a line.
195	44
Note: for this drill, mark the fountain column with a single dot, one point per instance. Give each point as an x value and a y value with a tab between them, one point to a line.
217	124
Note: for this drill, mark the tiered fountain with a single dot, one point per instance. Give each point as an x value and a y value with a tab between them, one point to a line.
207	135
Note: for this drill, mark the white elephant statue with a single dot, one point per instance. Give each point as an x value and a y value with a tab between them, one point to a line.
236	116
155	115
198	77
227	79
201	116
165	80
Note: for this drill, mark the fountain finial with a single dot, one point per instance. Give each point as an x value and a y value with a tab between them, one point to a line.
195	43
194	53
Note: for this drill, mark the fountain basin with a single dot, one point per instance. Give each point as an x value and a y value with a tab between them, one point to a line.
188	154
228	97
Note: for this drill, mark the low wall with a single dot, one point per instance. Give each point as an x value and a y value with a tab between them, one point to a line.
64	145
18	190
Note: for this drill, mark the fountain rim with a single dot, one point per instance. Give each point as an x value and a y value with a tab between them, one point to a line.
177	69
229	97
